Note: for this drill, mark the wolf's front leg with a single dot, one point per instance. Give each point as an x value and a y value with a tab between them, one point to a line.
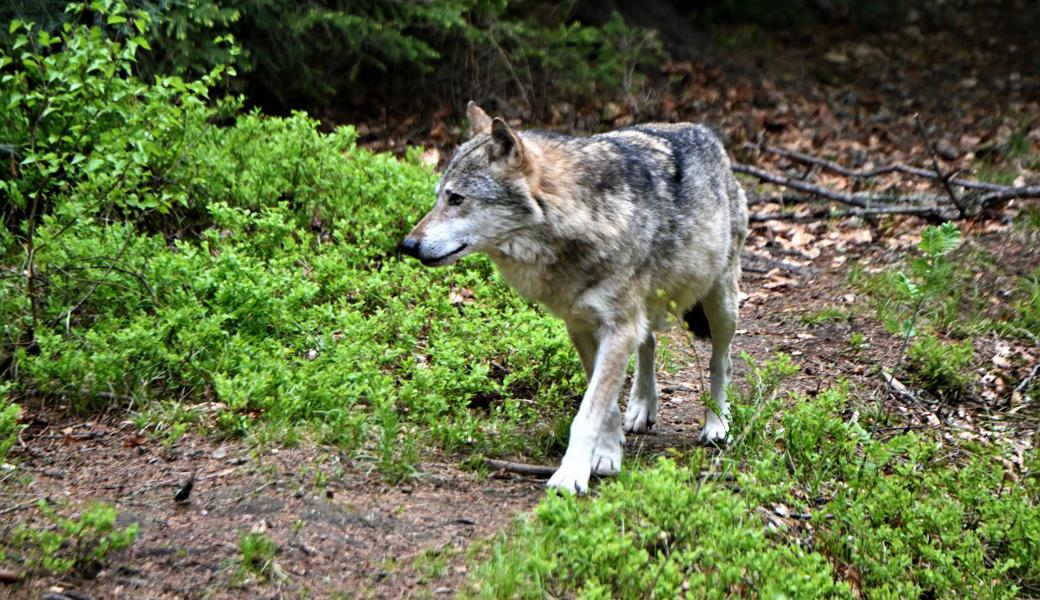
596	429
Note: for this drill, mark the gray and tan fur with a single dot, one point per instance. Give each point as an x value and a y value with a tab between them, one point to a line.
613	233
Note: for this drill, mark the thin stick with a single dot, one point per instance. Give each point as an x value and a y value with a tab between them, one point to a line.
520	468
945	179
18	507
858	200
922	211
867	173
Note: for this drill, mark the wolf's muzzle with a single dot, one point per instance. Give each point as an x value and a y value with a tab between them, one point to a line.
409	246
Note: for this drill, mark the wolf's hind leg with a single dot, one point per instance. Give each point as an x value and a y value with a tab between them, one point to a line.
720	306
641	412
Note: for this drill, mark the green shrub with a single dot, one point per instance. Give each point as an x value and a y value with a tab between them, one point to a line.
859	515
944	367
79	544
657	532
9	426
252	264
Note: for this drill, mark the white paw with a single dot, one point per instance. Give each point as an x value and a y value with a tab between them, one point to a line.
571	478
715	430
606	460
640	416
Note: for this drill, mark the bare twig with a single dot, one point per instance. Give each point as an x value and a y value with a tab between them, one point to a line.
944	179
998	196
1028	378
826	213
897	387
520	468
857	200
18	507
987	194
875	172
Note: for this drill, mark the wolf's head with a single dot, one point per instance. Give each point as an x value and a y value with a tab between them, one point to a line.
483	197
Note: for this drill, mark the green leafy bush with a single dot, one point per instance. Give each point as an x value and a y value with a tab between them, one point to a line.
860	515
654	532
251	263
944	367
79	544
9	426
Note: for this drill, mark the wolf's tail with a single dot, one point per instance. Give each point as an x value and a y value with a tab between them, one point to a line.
697	321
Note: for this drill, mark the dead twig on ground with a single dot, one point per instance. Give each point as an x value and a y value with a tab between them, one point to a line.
520	468
828	213
944	179
18	507
934	208
834	167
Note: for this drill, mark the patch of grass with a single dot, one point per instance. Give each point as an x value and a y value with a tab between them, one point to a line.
79	544
1028	218
994	174
256	555
857	342
434	562
1027	305
829	314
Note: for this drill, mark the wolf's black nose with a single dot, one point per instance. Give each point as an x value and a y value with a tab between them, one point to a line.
410	246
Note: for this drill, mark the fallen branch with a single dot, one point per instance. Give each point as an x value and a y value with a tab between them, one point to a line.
858	200
827	213
18	507
834	167
520	468
987	194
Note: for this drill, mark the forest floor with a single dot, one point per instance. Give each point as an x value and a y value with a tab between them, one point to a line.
341	531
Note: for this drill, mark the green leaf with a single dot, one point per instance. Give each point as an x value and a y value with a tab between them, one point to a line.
939	241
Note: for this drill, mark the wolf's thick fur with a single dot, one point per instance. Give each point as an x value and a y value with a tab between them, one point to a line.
613	233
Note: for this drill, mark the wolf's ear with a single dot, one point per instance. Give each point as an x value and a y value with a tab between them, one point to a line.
505	145
479	122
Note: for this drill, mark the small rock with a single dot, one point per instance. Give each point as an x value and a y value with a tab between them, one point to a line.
238	460
220	453
7	576
946	149
442	590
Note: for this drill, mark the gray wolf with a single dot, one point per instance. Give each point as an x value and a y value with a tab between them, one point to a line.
618	234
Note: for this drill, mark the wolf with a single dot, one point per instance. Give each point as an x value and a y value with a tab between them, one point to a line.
619	235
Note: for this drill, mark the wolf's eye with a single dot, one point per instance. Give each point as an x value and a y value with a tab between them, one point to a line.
455	199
